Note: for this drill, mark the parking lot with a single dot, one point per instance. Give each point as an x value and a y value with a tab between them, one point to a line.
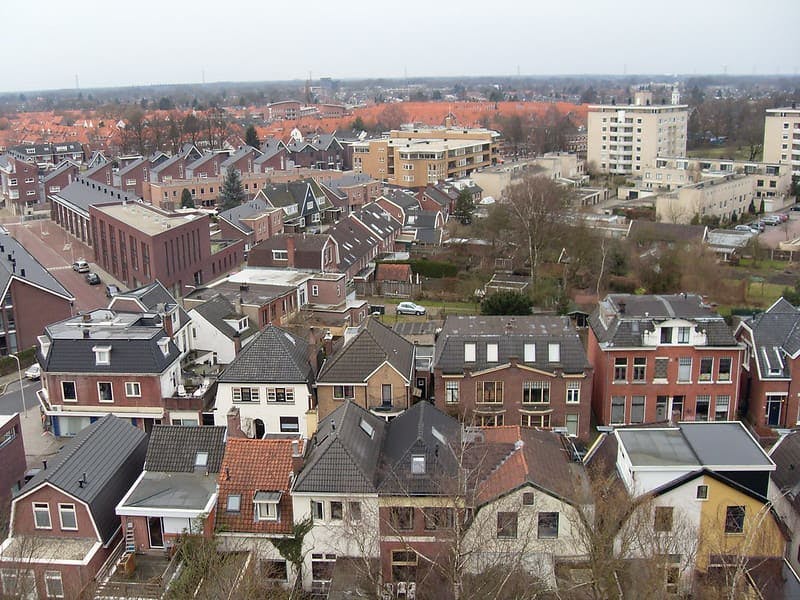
775	234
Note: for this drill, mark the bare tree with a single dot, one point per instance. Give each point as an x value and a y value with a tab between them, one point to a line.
537	203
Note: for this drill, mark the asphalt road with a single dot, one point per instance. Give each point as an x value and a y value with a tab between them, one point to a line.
11	400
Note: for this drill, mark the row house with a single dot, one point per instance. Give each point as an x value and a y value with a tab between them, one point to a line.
207	165
105	362
321	151
361	237
176	493
770	392
63	524
254	503
240	161
12	457
375	369
48	153
19	184
303	203
252	222
312	252
60	177
219	330
104	170
32	297
138	244
350	192
662	358
175	166
274	156
133	177
530	371
405	497
270	386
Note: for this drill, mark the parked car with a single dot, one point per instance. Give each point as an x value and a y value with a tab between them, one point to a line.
771	220
783	217
795	207
93	279
81	266
33	372
746	228
409	308
111	290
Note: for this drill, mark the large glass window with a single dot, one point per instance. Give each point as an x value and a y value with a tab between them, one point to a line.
721	408
507	524
490	392
637	409
41	515
620	368
69	392
573	392
535	392
706	369
701	407
451	392
639	368
734	519
66	513
684	369
547	525
618	409
724	372
105	392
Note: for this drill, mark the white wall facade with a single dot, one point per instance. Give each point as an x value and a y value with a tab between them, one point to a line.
206	336
268	411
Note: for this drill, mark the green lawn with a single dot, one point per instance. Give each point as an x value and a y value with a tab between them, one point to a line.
732	152
763	294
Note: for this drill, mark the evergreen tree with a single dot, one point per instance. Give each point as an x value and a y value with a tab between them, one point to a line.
464	207
232	193
251	137
186	199
506	303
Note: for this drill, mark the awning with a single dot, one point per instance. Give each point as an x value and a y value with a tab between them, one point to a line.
270	497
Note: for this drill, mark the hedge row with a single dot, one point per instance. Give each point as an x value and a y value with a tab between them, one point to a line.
26	359
435	269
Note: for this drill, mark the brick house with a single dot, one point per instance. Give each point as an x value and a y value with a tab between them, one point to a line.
105	362
314	252
375	370
32	297
60	177
662	358
240	161
270	382
175	166
134	176
530	371
321	151
63	526
12	457
177	491
252	222
303	203
19	184
254	501
274	156
207	166
351	192
769	387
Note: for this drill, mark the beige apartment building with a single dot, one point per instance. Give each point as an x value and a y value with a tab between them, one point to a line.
782	137
417	157
718	195
624	138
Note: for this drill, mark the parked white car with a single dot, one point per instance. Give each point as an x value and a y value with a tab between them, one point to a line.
409	308
33	372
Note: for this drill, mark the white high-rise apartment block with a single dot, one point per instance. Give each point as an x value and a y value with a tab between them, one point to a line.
782	137
624	138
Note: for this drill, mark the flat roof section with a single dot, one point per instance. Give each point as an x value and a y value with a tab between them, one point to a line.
146	219
657	448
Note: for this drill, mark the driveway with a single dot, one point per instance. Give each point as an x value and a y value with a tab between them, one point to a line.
775	234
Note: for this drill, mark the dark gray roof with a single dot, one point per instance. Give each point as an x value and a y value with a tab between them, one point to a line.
174	448
269	148
404	199
133	165
378	220
219	308
510	334
344	181
111	453
718	445
374	345
248	209
776	333
24	267
422	219
417	327
786	456
188	153
344	453
422	430
133	339
83	193
429	236
240	153
354	241
620	320
273	356
298	194
182	491
204	158
150	296
64	165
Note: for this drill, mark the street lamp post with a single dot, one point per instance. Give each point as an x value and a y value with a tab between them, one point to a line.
21	389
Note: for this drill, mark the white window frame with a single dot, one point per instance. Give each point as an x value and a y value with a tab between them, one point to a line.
451	389
469	352
271	509
553	352
63	395
573	392
38	507
234	503
53	576
491	352
529	353
99	396
133	389
62	508
102	355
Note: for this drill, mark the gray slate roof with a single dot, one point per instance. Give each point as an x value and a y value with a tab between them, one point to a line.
374	345
776	333
24	262
133	339
153	294
343	456
273	356
83	193
173	448
786	456
219	308
378	220
64	165
405	200
354	241
111	453
248	209
616	328
240	153
510	334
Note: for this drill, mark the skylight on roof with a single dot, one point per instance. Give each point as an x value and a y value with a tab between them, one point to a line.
201	460
367	428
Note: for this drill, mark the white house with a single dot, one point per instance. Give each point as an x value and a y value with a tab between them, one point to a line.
270	383
219	330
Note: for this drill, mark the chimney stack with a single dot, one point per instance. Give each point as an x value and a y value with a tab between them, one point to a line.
297	456
235	423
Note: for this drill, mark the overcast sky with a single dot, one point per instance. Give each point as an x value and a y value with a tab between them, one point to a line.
110	43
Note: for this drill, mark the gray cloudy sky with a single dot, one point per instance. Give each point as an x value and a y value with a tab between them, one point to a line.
113	43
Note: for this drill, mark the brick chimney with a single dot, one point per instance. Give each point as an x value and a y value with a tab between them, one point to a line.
234	423
166	322
297	455
290	249
327	343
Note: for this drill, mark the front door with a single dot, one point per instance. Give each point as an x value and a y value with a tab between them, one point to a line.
260	428
661	409
155	527
773	413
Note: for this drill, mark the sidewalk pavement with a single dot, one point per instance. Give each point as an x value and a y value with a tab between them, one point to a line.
39	444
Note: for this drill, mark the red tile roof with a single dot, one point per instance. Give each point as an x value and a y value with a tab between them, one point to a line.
250	466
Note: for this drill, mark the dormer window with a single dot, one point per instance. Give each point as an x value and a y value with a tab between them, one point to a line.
243	324
529	354
491	353
44	344
266	505
469	352
163	343
666	335
683	335
554	353
102	355
418	464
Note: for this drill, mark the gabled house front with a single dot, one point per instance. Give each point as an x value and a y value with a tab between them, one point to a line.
269	386
771	364
63	525
375	370
177	491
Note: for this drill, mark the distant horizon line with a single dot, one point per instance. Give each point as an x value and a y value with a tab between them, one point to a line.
400	79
